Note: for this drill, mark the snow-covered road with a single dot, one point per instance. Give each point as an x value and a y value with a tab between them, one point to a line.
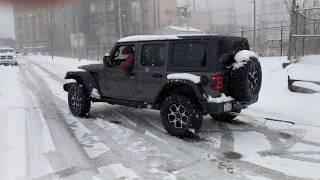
40	139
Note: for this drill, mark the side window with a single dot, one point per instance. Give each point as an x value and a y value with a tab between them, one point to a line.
153	55
119	55
191	54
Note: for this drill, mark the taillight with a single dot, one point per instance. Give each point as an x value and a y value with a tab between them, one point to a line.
218	83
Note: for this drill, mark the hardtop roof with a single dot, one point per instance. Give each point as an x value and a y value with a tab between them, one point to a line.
143	38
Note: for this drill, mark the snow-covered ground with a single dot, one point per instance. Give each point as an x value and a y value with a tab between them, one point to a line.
40	139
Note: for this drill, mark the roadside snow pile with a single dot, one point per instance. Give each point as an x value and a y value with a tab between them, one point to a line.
185	76
221	99
307	69
242	57
308	85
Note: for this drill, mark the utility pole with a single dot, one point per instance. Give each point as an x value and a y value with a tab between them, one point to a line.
120	19
77	30
51	33
141	17
281	41
242	31
210	14
254	22
194	5
292	31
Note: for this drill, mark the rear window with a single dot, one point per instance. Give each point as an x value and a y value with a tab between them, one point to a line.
193	54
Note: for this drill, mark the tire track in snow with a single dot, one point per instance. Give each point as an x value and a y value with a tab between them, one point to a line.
69	160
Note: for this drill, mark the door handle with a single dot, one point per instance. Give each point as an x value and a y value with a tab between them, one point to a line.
157	75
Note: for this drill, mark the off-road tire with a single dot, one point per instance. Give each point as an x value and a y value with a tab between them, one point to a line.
246	81
179	114
78	100
224	117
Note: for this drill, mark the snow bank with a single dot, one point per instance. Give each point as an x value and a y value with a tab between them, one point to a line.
185	76
221	99
308	85
242	57
307	69
304	72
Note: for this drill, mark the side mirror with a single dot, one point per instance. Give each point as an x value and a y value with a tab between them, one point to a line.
106	59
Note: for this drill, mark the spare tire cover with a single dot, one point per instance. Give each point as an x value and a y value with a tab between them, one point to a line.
246	81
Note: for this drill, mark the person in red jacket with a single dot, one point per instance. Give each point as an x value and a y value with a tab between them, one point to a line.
128	64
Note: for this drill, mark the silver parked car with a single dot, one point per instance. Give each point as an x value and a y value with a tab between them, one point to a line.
8	56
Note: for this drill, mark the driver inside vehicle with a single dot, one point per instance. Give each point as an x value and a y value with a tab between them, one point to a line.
128	63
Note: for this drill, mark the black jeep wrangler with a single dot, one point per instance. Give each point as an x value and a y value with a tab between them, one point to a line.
185	77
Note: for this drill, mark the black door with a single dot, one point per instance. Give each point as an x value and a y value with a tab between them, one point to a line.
115	82
151	70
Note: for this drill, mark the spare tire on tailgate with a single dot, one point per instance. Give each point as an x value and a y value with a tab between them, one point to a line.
246	76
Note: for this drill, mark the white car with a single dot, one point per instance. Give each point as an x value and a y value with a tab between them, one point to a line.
8	56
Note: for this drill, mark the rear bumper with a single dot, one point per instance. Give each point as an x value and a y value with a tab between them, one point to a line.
220	108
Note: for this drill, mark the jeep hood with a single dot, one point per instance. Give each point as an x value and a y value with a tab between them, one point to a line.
92	67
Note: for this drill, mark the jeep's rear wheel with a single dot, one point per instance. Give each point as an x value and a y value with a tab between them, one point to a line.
178	114
78	100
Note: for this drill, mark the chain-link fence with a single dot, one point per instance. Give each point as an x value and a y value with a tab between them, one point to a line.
305	34
269	41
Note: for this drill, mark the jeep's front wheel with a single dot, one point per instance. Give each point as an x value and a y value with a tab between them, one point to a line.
178	114
78	100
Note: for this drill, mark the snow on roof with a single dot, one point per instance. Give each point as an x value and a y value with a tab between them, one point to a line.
157	37
148	38
185	76
184	28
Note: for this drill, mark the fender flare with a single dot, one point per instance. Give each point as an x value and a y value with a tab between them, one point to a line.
173	84
84	78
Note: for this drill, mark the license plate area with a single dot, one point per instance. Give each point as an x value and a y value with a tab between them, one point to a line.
227	107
